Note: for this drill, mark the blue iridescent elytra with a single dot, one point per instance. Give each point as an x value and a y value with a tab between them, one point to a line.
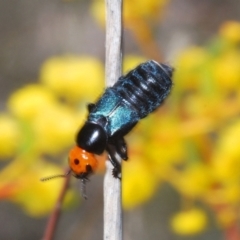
121	106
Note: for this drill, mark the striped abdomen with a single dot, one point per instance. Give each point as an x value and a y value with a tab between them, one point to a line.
145	87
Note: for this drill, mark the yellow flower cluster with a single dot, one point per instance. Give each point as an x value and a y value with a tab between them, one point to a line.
230	32
189	222
133	10
71	76
9	137
192	142
42	120
140	17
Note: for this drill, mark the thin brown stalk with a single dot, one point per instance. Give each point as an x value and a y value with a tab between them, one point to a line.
54	218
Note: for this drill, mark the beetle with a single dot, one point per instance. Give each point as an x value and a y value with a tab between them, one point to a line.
117	111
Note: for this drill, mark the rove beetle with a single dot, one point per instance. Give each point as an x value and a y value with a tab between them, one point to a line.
117	111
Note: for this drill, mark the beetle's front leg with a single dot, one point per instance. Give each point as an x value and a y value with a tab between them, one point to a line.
90	107
111	150
121	148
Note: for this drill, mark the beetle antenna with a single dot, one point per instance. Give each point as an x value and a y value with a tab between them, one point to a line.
55	176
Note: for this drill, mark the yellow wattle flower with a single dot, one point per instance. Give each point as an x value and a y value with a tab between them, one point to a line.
226	156
131	61
39	198
139	183
9	136
230	31
226	73
29	101
189	222
132	10
72	77
55	130
195	181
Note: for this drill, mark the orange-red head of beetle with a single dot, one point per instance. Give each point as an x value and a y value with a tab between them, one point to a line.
81	162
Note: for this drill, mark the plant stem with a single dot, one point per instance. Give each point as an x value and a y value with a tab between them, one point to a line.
112	186
232	233
53	219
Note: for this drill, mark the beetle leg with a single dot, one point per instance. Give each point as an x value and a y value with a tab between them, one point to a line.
112	157
90	107
121	148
